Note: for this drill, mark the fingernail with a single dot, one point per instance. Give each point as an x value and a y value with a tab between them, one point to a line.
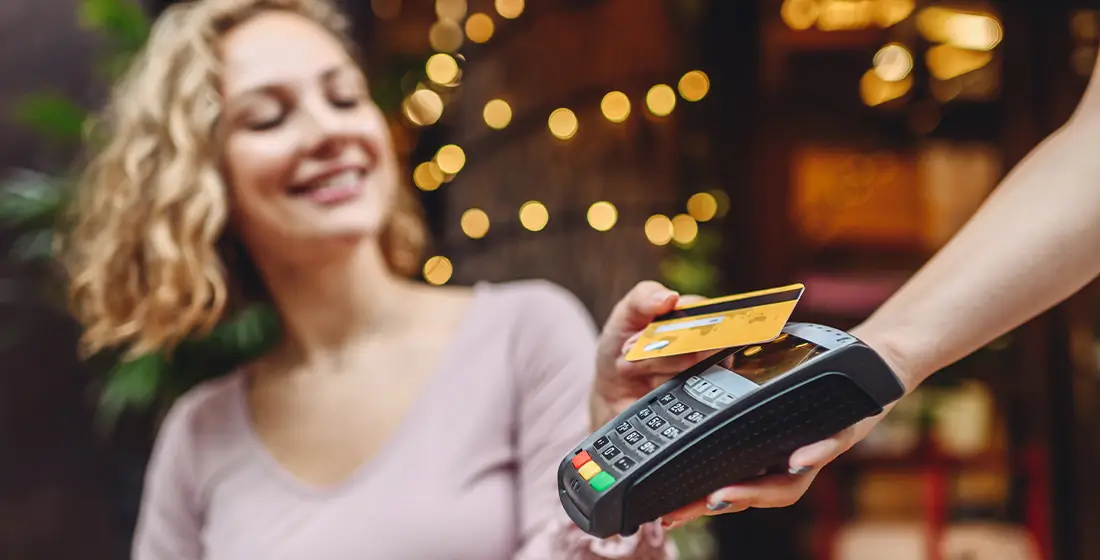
800	470
719	506
663	297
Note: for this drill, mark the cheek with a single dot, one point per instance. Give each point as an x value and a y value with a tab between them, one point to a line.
257	166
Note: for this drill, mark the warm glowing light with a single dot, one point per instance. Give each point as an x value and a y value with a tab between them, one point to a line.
694	85
658	229
563	123
799	14
386	9
450	159
660	100
615	106
438	270
423	107
840	15
509	9
533	215
945	62
497	113
684	229
602	216
876	91
427	176
475	223
959	29
892	12
445	36
450	9
893	63
479	28
702	206
441	68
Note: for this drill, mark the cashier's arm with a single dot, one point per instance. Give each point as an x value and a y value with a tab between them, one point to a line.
1033	243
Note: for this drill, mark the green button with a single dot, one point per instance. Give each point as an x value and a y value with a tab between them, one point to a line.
602	481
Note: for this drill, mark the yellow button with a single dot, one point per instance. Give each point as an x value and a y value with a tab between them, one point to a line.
589	470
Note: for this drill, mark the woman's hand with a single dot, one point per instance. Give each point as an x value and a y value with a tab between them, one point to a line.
620	383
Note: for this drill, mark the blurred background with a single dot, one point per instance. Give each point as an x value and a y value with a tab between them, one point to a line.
715	145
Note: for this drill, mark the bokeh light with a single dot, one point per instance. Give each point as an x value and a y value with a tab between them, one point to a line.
445	36
509	9
479	28
658	229
427	176
423	107
533	215
660	100
893	63
702	206
563	123
441	68
475	223
602	215
450	159
497	113
694	85
615	106
438	270
684	229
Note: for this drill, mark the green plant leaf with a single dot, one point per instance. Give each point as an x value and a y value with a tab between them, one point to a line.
52	115
122	22
130	384
34	245
30	199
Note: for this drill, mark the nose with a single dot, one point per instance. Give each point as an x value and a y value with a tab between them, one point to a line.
324	131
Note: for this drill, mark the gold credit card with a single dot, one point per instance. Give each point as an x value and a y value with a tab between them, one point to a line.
736	320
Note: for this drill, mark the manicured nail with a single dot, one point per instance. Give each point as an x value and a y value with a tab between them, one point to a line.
719	506
800	470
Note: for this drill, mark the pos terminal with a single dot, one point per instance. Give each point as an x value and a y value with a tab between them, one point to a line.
724	420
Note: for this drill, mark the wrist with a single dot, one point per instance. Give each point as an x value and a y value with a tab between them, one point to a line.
893	347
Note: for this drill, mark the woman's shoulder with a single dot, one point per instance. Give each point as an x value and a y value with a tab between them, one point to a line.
206	409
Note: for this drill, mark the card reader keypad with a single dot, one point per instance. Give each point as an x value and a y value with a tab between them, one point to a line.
637	438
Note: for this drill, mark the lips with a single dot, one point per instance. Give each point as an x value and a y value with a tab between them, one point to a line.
332	187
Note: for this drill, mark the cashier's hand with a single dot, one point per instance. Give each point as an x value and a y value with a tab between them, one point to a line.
780	489
618	382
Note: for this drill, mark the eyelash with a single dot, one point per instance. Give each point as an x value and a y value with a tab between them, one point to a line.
349	102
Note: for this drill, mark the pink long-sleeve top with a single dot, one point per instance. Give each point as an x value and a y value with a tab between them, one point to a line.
468	474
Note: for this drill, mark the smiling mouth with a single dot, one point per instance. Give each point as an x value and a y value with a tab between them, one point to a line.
332	188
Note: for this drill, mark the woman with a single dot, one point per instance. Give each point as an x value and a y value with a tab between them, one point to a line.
1031	245
245	159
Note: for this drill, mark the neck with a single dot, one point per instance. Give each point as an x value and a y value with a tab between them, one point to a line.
327	305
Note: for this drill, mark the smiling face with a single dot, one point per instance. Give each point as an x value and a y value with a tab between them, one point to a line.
308	155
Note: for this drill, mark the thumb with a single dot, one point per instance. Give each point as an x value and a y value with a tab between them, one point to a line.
637	309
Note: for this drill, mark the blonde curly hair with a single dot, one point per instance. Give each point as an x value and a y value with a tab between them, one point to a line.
148	255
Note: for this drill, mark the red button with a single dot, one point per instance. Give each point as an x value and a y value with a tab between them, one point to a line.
580	459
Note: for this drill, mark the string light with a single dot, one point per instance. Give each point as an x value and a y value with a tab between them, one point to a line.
615	106
475	223
702	206
438	270
450	9
445	36
660	100
441	68
684	229
450	159
423	107
602	215
658	229
563	123
533	215
497	113
694	85
479	28
427	176
509	9
892	63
